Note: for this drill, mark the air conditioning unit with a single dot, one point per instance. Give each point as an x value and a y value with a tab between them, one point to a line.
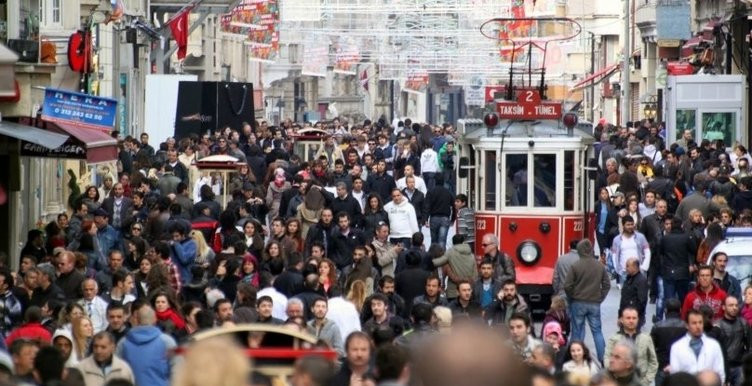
465	126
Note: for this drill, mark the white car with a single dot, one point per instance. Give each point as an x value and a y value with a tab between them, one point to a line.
738	247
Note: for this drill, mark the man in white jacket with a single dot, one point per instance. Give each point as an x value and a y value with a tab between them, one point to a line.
696	352
403	222
419	183
429	166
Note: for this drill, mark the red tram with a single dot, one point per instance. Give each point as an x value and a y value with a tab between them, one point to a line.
525	175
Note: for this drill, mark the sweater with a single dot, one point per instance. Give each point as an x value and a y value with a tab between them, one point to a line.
402	219
697	298
462	263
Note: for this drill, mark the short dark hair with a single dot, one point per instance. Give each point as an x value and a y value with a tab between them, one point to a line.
386	279
421	312
693	311
49	364
114	306
221	302
380	297
263	299
390	361
520	316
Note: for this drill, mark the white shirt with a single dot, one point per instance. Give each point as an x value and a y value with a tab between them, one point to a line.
344	315
402	219
711	357
419	184
628	250
361	199
279	302
96	309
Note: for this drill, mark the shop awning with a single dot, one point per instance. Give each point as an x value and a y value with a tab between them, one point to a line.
33	135
100	147
597	77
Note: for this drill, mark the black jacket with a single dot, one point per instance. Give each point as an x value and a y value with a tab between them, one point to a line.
322	233
418	201
738	339
381	184
289	282
342	246
348	205
410	284
634	293
473	309
676	254
664	334
439	202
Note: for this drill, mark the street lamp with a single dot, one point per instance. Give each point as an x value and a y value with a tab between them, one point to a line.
650	109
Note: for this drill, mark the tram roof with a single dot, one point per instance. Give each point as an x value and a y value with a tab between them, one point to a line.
525	130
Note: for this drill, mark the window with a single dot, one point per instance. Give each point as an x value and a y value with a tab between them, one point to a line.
718	125
569	173
50	12
490	180
685	120
544	186
516	187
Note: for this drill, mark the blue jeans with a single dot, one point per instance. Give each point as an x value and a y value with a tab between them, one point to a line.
660	300
439	226
734	376
675	289
580	311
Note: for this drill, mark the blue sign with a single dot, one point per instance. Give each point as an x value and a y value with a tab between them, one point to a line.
80	109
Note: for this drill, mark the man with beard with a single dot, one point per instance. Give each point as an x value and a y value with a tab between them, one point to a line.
323	328
357	362
722	278
433	295
118	207
321	232
630	244
507	303
705	293
360	269
382	318
223	310
738	340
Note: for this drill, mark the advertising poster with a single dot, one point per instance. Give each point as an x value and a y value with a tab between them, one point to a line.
347	56
258	22
315	56
81	109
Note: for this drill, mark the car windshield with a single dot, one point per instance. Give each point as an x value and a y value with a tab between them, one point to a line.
740	266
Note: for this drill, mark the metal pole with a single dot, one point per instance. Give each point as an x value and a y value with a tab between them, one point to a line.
626	100
592	72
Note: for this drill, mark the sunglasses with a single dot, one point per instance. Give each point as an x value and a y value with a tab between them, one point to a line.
486	244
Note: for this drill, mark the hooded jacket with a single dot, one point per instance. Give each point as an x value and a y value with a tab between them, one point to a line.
582	284
714	299
462	262
72	360
147	350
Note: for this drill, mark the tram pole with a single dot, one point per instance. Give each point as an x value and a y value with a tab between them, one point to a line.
626	100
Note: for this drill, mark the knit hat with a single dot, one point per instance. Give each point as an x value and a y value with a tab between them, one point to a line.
585	249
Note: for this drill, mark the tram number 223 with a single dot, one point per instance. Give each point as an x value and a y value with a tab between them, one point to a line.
578	226
480	225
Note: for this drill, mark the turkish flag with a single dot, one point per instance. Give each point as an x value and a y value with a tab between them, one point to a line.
179	27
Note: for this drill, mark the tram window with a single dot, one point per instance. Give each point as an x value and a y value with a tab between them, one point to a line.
544	172
516	174
490	188
569	180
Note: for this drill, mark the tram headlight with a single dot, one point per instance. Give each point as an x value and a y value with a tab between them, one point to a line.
528	252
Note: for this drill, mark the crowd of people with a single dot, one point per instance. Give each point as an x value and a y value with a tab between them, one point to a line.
333	246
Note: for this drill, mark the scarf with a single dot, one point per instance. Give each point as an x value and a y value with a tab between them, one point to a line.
696	345
279	181
170	315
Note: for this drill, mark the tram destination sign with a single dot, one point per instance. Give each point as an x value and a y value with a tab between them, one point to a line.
529	106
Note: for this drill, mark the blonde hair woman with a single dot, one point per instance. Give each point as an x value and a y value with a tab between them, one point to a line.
83	331
204	254
357	294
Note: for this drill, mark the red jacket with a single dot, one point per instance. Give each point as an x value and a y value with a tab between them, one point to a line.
32	331
697	298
